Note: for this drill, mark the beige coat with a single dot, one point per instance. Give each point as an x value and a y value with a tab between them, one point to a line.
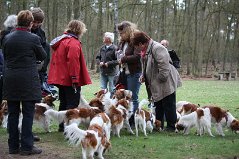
163	78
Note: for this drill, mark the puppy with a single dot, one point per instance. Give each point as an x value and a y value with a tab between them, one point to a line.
93	140
145	119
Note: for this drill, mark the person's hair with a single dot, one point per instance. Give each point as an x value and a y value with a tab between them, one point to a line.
140	37
11	21
165	43
38	14
24	18
76	27
127	27
110	36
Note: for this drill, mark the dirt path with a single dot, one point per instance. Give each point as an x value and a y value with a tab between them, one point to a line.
48	153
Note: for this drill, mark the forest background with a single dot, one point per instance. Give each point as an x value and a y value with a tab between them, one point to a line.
204	33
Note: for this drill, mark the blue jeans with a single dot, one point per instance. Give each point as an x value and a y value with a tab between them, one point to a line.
133	84
28	109
104	80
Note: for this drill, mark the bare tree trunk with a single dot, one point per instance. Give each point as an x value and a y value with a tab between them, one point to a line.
99	32
3	8
115	20
47	20
54	18
69	10
195	41
76	9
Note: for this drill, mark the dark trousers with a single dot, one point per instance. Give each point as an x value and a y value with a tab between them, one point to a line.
167	108
69	99
1	84
28	109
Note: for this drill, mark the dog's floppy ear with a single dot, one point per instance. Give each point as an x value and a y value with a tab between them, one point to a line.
235	125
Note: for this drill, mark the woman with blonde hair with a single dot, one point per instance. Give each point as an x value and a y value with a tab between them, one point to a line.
68	69
129	59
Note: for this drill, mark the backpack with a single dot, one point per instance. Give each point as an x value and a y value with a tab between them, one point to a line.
175	59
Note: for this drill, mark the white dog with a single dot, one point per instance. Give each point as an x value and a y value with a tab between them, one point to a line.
93	141
145	119
201	118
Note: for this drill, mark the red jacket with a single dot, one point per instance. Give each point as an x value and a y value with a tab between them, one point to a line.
67	64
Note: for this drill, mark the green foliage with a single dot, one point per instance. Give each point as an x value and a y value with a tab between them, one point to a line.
163	145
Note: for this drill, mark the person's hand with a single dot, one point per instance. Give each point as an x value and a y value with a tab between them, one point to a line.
101	64
119	61
106	64
141	79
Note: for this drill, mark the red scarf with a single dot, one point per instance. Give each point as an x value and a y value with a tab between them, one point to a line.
22	29
143	52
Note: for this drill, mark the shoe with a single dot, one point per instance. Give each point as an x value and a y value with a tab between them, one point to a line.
169	129
14	151
36	138
34	150
61	130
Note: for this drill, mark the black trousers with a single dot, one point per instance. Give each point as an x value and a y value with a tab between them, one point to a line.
28	110
1	84
69	99
167	108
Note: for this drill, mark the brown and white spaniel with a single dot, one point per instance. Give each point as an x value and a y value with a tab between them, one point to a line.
94	140
188	108
123	93
3	114
201	118
221	118
77	115
145	119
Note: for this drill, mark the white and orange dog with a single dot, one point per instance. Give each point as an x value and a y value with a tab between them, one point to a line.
39	116
78	115
222	118
119	112
94	140
145	119
201	118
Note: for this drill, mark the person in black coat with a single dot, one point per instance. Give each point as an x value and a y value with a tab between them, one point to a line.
39	16
9	24
107	60
21	83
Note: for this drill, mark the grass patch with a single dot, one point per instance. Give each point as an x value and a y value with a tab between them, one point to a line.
159	145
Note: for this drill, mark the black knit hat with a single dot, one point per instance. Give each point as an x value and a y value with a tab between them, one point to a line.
38	14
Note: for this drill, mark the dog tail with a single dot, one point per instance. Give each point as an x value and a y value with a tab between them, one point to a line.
108	102
74	135
57	115
83	103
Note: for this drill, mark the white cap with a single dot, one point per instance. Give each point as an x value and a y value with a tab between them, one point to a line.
110	35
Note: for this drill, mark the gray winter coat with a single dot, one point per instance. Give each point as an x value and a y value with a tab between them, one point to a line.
162	77
108	55
21	80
